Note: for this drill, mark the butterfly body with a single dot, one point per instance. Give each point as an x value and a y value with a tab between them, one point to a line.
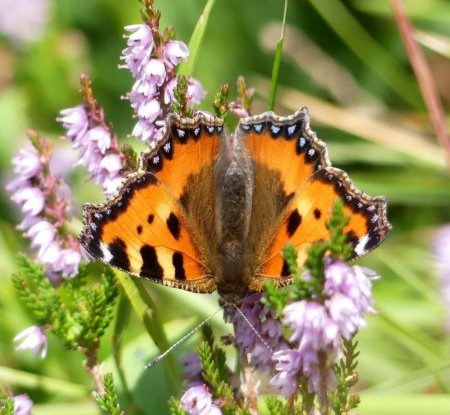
212	211
234	178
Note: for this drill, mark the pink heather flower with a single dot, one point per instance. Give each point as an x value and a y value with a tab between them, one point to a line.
67	263
353	282
142	89
139	50
24	21
50	254
140	33
350	296
144	131
95	144
175	52
237	110
288	364
112	164
285	383
261	318
195	92
75	121
153	70
345	313
168	91
101	136
42	234
192	369
27	222
312	327
150	110
31	198
33	338
27	163
198	401
317	327
313	373
22	404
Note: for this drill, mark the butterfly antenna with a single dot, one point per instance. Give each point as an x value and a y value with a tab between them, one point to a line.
185	337
253	329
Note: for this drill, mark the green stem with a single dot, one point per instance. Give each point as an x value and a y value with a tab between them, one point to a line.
122	319
277	62
146	310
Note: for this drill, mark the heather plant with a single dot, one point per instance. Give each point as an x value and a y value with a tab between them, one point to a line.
288	351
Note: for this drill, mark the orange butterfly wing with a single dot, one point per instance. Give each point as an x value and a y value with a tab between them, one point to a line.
144	229
287	151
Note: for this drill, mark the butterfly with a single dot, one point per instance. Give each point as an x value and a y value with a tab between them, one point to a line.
212	211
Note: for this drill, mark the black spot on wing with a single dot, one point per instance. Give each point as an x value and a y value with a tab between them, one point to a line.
317	213
177	261
119	259
352	238
150	265
139	229
285	271
150	218
173	224
294	222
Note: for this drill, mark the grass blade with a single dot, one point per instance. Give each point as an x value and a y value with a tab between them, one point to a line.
368	50
423	75
411	404
148	314
25	380
277	62
187	67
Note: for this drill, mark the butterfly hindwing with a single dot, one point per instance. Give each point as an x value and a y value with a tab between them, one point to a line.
148	229
305	220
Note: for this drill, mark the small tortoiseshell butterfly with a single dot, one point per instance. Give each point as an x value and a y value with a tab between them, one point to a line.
209	210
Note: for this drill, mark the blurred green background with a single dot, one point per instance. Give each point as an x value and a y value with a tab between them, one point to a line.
345	60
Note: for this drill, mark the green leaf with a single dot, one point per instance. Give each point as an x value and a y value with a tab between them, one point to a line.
175	407
187	67
35	290
108	400
7	406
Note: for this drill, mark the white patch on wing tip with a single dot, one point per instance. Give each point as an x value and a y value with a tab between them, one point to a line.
107	256
360	247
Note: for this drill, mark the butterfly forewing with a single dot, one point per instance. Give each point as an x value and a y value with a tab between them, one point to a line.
148	228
